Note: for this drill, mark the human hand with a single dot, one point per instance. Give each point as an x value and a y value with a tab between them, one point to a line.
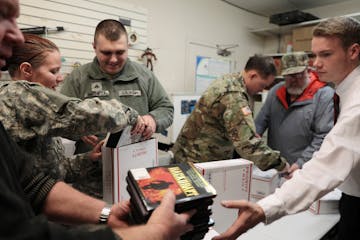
285	170
139	127
163	224
150	126
291	170
170	224
95	153
249	215
119	216
91	140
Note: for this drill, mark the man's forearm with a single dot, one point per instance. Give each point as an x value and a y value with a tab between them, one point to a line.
66	205
138	233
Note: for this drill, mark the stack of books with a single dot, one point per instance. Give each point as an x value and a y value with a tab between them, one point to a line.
147	186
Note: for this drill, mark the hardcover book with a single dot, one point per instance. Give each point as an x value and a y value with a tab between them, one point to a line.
147	187
189	186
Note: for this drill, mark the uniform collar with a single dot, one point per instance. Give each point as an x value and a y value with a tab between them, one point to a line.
243	85
128	73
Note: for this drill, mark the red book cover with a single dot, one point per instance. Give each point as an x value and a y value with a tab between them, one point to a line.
189	186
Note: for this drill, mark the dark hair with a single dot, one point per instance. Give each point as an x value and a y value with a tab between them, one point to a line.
33	51
111	29
345	28
264	65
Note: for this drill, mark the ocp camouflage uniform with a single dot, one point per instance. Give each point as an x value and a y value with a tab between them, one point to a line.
34	115
222	122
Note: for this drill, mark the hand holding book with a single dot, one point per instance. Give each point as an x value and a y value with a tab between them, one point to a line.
163	224
147	187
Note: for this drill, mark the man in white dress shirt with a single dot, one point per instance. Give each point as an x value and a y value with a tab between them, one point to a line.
335	45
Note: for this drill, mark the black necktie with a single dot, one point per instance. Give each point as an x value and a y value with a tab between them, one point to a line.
336	99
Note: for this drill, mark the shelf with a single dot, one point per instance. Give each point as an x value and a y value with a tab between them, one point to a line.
286	29
280	30
279	55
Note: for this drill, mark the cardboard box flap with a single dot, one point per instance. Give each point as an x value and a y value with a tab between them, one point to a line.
269	174
223	164
122	138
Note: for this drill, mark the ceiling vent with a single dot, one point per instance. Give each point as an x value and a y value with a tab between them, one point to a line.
291	17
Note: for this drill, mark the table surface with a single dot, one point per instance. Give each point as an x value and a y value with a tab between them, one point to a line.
301	226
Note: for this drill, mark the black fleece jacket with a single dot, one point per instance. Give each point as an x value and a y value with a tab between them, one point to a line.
22	193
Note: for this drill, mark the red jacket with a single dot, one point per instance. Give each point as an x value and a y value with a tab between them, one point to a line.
308	93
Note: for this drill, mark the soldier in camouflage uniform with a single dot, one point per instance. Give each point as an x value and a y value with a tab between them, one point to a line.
35	115
222	121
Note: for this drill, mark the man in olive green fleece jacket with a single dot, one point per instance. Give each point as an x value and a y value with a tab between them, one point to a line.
112	75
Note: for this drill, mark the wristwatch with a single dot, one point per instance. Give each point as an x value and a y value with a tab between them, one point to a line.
105	213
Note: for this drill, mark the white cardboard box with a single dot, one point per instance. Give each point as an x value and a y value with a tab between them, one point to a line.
263	183
69	146
327	204
231	179
210	234
116	163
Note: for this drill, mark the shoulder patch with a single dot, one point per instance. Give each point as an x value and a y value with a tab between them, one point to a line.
246	110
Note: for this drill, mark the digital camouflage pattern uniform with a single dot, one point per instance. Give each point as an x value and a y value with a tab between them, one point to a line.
36	116
222	122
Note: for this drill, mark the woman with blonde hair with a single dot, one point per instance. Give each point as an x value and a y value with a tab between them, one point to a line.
36	116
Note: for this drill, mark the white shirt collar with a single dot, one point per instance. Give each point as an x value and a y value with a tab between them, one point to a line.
348	83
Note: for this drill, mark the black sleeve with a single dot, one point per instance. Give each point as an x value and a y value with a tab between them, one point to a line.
35	184
22	186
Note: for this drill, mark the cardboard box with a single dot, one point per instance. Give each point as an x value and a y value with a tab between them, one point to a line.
210	234
285	41
302	38
263	183
116	163
327	204
69	146
231	179
302	45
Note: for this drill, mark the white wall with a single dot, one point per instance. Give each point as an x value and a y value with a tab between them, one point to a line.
175	25
79	18
343	8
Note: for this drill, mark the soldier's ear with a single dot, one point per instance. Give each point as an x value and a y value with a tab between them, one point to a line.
26	71
253	74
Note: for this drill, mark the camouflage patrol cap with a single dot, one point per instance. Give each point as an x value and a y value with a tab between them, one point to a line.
295	62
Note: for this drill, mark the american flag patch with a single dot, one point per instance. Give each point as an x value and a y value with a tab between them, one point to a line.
246	110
